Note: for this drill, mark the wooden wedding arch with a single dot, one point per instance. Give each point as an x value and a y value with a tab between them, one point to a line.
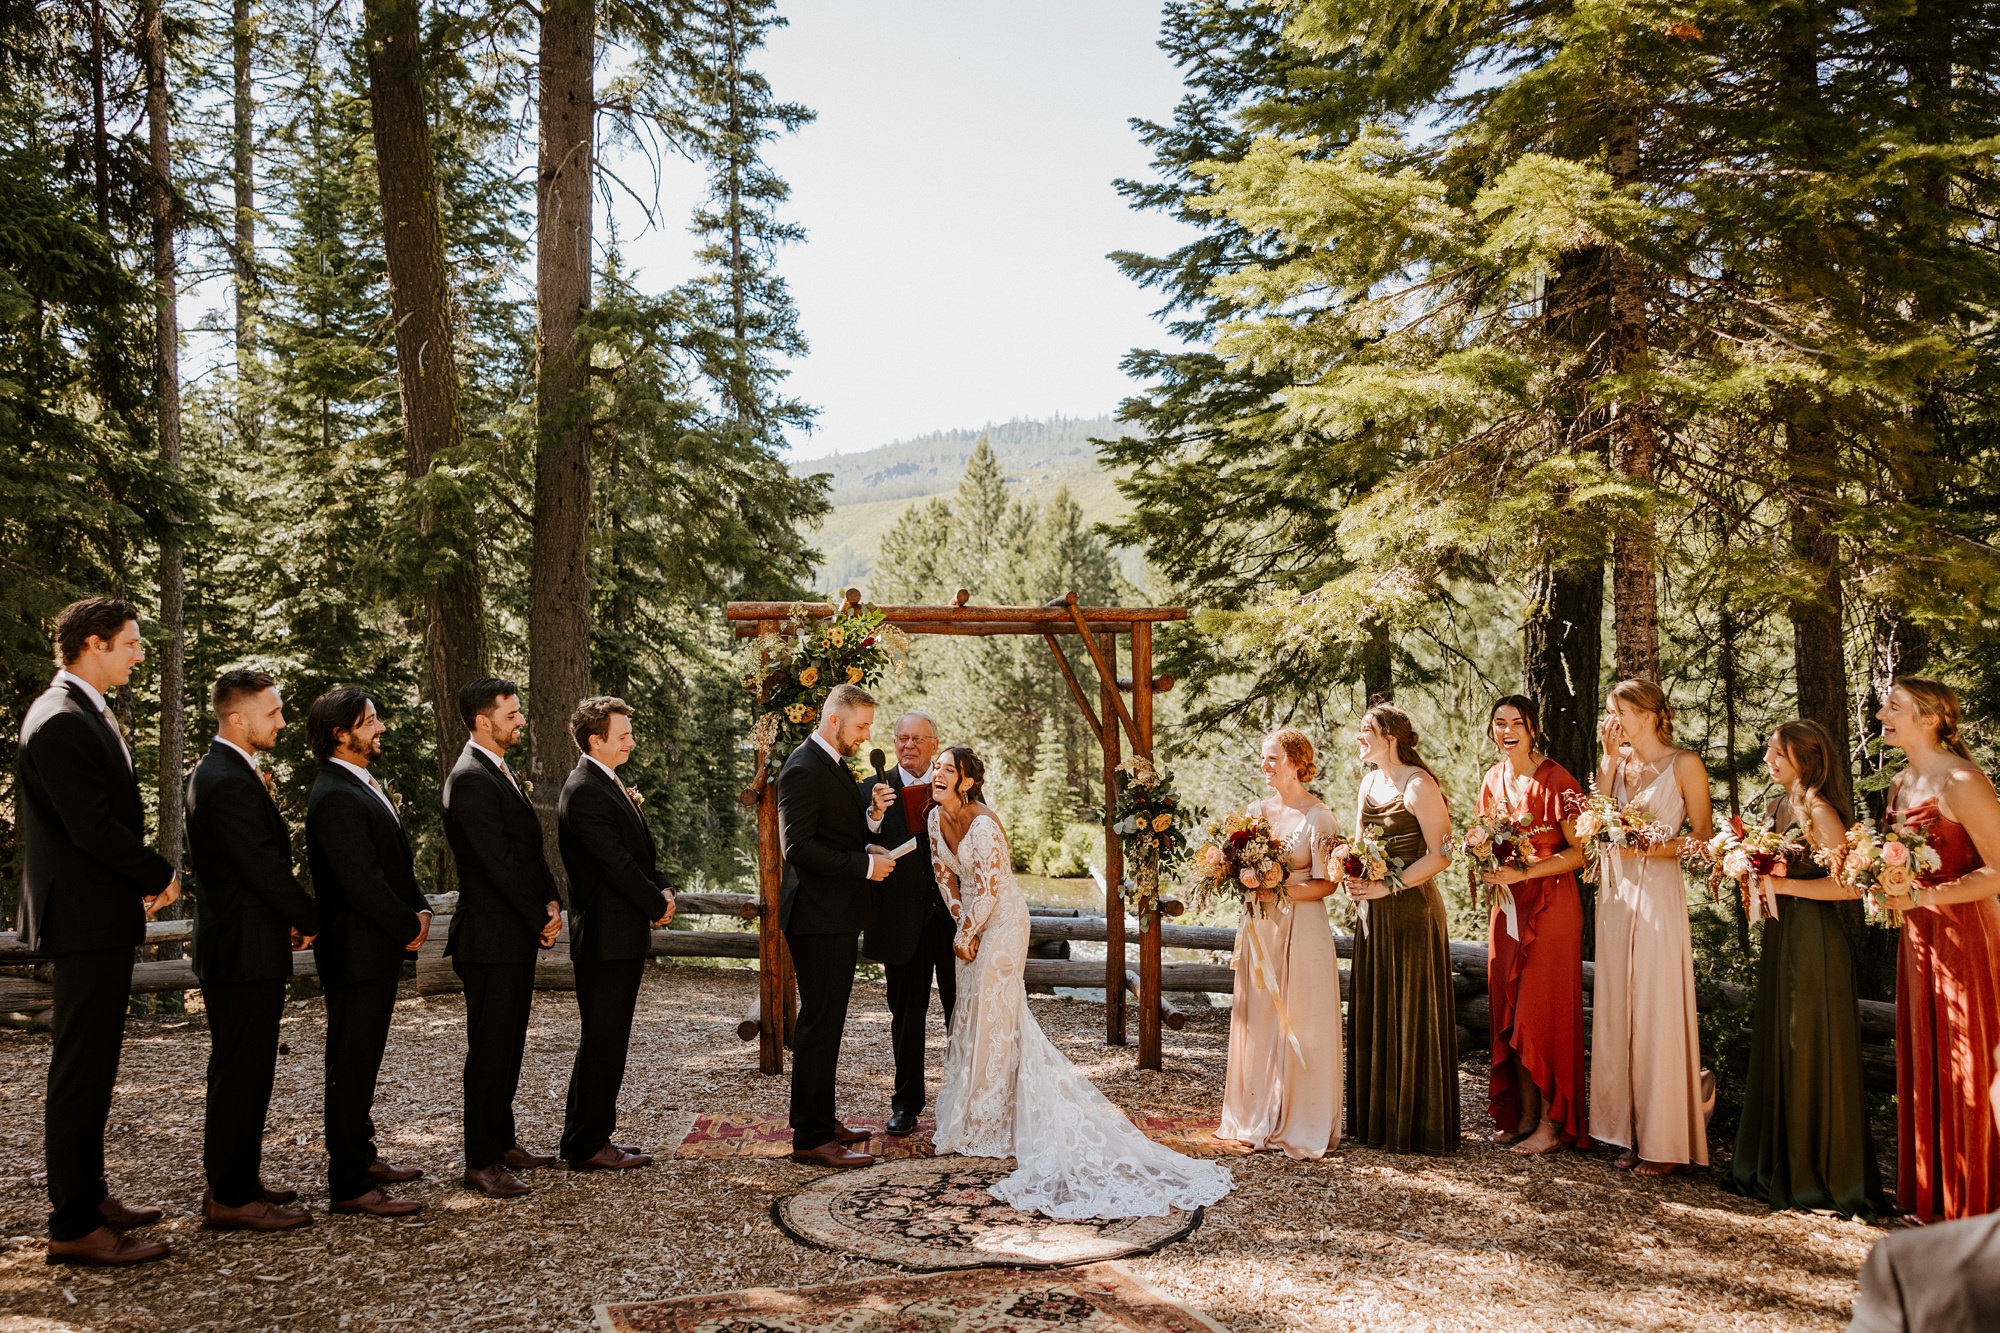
1113	722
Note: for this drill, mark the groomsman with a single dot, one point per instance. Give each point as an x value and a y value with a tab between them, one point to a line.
250	913
372	916
911	931
507	912
824	828
88	885
616	896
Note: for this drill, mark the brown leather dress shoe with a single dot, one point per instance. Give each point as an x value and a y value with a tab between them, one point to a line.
520	1159
832	1154
278	1193
849	1137
385	1173
105	1248
632	1148
253	1216
378	1203
496	1182
120	1218
612	1158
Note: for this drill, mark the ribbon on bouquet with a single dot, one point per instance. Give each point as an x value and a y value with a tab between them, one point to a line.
1763	898
1510	911
1264	975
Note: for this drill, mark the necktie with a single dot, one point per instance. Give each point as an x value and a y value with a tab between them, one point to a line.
381	794
112	722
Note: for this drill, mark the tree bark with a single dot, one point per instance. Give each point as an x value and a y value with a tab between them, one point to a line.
426	358
559	599
243	182
1562	656
167	397
1819	644
1635	594
1378	669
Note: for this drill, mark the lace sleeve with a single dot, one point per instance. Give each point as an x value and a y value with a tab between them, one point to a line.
947	883
983	854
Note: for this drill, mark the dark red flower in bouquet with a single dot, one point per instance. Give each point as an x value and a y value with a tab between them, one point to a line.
868	642
1761	862
1351	866
1239	838
1736	825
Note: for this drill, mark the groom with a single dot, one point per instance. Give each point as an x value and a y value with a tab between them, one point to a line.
824	830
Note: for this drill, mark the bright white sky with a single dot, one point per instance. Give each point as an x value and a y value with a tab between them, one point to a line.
956	191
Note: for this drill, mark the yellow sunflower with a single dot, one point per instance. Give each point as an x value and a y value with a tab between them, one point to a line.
798	712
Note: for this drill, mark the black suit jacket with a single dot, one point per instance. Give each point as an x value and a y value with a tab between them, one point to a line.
364	879
504	884
823	834
86	866
616	891
247	900
909	898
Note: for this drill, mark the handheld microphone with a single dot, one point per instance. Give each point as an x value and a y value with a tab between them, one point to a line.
880	761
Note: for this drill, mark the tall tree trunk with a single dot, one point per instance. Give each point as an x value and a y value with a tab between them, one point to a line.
1378	671
100	139
426	359
1819	643
1562	658
167	396
559	599
1635	593
243	181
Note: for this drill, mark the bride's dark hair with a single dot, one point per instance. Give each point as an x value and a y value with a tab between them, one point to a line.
969	765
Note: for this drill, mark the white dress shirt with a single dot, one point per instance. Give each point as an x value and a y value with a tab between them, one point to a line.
248	758
874	821
499	759
96	697
372	785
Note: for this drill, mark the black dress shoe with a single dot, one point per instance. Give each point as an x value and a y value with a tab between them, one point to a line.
902	1123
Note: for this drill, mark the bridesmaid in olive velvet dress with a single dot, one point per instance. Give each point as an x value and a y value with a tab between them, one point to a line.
1803	1141
1948	972
1403	1059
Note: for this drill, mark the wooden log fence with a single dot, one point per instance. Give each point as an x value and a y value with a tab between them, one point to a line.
1049	933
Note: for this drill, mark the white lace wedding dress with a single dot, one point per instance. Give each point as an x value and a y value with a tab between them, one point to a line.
1008	1092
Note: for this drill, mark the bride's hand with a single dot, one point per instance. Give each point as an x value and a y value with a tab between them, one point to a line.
968	951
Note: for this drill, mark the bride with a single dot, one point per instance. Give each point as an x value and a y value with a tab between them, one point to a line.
1008	1092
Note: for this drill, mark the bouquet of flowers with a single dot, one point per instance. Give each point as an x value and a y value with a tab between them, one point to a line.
1495	842
1151	825
1239	854
1362	858
1748	855
1881	864
1602	824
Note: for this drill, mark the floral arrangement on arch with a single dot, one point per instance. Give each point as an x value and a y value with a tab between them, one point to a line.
1151	824
790	670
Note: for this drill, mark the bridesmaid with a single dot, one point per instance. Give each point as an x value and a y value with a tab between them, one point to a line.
1535	983
1278	1097
1804	1142
1403	1092
1948	973
1645	1045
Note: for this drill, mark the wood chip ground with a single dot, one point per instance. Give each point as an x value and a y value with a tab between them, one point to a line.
1362	1240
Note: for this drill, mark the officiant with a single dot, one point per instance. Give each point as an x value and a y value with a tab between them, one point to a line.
911	932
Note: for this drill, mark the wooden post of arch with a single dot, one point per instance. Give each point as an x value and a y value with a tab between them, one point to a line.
1149	920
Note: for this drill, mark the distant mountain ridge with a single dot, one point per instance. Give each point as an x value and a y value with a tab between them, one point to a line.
873	487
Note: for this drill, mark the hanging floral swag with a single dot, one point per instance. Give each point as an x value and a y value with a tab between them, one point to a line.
1152	827
791	670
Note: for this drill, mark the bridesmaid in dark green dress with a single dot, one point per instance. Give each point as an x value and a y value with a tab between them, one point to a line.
1804	1140
1403	1055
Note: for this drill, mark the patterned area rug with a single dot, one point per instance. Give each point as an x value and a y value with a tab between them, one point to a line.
716	1137
935	1214
1102	1298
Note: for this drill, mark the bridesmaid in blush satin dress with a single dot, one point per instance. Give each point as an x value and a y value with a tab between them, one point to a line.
1534	974
1948	970
1645	1041
1283	1088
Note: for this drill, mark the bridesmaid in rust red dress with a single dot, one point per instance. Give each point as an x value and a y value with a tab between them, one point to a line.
1535	981
1948	974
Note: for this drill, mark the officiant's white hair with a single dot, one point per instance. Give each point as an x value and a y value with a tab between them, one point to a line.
917	712
844	699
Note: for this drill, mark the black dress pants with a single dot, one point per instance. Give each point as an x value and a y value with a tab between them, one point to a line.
498	997
91	991
357	1032
909	987
825	968
242	1061
607	991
